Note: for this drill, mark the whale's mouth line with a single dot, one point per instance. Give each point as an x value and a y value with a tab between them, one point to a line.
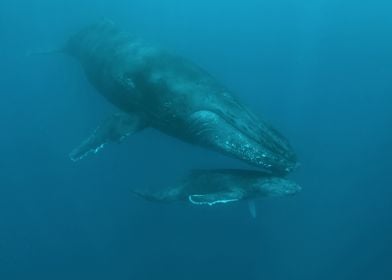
266	137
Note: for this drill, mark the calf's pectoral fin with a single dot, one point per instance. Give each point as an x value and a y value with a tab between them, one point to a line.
114	129
215	198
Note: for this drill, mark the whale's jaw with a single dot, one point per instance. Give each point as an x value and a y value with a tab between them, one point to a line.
213	131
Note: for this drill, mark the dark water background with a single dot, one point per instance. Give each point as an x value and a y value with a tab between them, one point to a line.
320	71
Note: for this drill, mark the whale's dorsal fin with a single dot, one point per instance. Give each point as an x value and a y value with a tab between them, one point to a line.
113	129
215	198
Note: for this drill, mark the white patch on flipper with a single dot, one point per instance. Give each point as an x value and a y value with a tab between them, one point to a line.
191	199
252	208
91	151
113	129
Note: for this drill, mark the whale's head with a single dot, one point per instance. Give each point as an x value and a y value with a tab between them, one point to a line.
275	186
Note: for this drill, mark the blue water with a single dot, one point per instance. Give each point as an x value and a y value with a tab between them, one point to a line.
320	71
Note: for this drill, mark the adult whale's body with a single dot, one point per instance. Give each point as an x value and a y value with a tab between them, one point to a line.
155	89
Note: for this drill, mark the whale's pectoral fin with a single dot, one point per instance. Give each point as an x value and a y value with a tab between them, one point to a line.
113	129
215	198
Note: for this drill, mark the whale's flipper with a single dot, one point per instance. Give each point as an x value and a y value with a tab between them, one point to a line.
215	198
113	129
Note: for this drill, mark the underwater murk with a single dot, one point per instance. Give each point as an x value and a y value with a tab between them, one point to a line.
195	139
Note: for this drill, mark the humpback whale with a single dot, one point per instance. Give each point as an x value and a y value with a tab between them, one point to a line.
154	88
210	187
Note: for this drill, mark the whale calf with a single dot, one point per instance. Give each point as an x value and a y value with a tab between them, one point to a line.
154	88
210	187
